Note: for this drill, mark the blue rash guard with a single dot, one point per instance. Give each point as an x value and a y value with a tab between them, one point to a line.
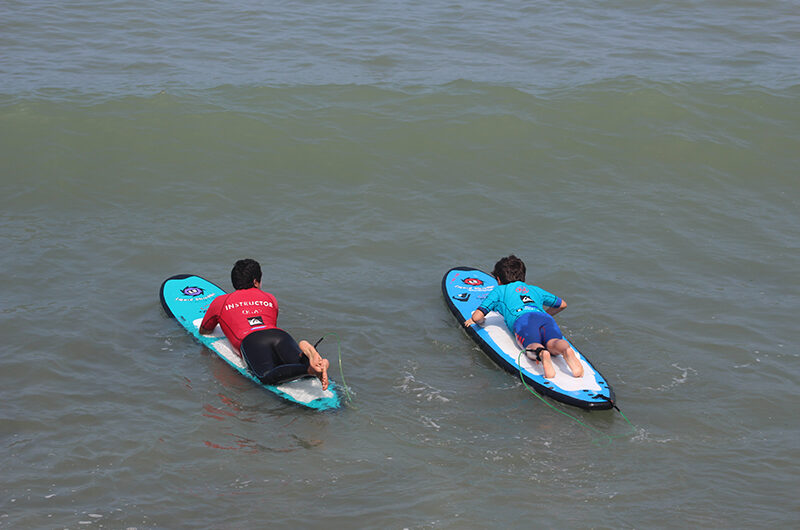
515	299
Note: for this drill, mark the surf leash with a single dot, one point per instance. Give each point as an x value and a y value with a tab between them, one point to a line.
543	400
341	371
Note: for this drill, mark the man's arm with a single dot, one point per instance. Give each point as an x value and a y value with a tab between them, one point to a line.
211	317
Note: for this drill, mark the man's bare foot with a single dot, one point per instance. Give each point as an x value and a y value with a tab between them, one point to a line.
319	369
323	377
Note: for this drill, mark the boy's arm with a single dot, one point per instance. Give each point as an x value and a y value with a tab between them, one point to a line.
477	317
553	311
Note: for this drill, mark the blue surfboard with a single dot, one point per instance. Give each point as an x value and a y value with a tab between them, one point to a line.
464	289
186	298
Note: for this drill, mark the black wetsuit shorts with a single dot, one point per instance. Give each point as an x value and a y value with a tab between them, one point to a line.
274	356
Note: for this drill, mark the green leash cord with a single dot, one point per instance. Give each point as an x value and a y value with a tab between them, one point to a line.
541	398
341	372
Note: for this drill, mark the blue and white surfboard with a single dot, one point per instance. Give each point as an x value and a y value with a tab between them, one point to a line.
187	297
464	289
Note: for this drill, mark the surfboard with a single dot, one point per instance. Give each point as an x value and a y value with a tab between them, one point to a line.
464	289
186	297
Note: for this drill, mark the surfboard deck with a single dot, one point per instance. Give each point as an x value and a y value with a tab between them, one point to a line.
464	289
186	298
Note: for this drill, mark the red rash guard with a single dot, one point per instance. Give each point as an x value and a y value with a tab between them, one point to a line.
241	313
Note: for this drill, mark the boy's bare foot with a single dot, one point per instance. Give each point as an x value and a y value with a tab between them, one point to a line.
542	355
574	364
547	364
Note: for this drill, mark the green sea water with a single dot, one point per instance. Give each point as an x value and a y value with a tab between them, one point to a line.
642	160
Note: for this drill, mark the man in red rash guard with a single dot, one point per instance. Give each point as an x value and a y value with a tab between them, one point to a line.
248	317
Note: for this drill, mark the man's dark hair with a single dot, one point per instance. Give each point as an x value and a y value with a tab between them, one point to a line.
244	272
509	269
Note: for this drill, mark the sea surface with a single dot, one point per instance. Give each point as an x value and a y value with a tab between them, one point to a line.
641	157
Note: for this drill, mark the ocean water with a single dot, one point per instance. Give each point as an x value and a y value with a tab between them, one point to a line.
642	159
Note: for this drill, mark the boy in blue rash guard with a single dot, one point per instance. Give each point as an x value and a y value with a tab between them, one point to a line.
523	309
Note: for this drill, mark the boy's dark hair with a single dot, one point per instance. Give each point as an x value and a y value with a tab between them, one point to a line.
244	272
509	269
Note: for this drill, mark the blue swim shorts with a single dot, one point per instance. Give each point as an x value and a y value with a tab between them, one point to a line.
536	326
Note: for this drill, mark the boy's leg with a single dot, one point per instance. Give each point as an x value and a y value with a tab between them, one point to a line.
547	364
529	334
551	337
561	347
544	356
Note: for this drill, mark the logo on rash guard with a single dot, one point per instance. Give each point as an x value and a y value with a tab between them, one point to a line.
473	281
192	291
255	321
